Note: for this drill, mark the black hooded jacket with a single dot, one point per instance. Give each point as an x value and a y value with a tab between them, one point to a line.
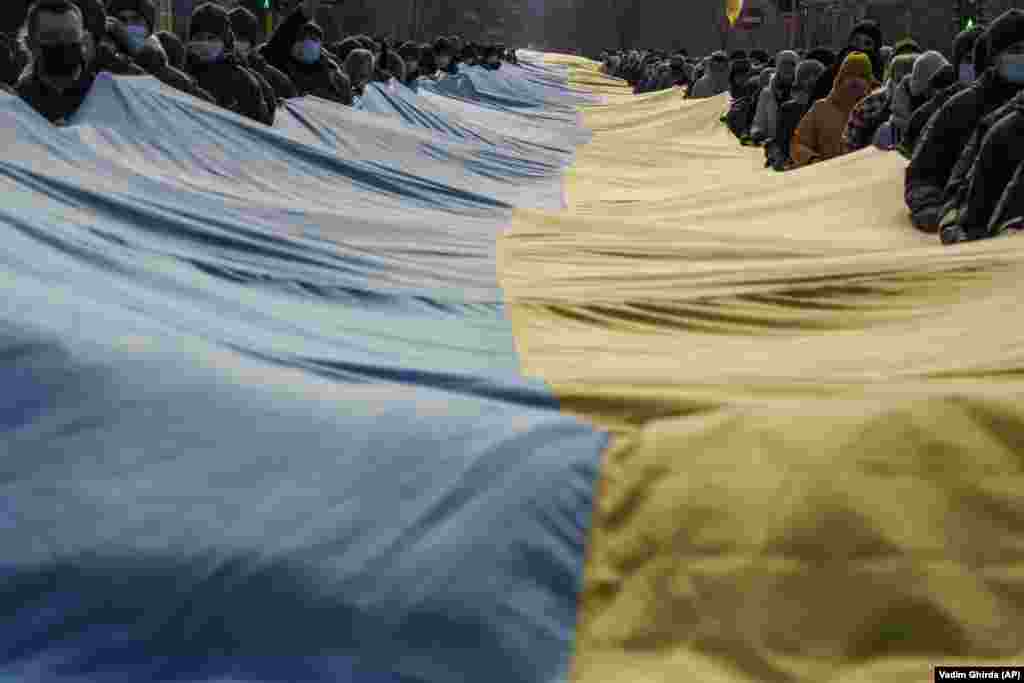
323	79
985	168
936	172
932	176
55	106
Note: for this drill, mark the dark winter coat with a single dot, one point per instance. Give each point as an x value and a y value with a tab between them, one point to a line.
233	87
55	106
943	139
985	168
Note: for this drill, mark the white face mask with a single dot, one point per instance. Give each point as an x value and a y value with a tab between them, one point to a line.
206	50
967	73
243	47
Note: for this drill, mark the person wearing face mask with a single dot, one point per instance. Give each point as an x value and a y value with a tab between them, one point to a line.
389	65
492	58
444	51
865	37
778	151
428	62
130	26
910	93
964	69
937	171
359	67
820	134
410	54
101	49
715	80
59	76
779	90
742	91
248	35
989	163
869	120
210	60
296	48
940	80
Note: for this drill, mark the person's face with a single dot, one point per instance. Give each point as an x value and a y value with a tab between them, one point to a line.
132	18
856	88
59	45
786	73
863	43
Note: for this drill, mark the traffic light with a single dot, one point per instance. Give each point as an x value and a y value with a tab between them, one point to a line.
968	14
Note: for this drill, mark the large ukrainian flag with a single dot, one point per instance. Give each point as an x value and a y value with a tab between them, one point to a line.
374	396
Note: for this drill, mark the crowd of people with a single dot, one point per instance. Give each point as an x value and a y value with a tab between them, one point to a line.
955	116
63	45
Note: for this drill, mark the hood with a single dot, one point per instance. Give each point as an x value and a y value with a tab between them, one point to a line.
963	46
147	8
786	57
152	56
173	48
278	49
925	67
943	78
807	73
902	99
906	46
900	66
1004	32
856	65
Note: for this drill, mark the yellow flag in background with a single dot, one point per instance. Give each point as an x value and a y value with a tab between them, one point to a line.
732	10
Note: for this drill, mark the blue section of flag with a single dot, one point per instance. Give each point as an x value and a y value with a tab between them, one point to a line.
262	417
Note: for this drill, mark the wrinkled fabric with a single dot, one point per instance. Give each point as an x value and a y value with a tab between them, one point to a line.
817	473
263	417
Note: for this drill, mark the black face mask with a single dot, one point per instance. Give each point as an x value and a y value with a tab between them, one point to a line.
62	59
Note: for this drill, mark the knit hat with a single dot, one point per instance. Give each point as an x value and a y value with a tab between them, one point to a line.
245	25
924	68
906	46
147	8
963	45
1004	32
209	18
869	28
95	17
